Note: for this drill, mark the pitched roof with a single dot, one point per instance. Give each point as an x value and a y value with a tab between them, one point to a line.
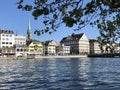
93	40
6	31
28	42
48	42
72	37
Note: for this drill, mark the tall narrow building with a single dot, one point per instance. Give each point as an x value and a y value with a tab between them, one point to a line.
29	31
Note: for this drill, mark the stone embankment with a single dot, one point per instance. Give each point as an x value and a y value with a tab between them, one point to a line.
67	56
43	57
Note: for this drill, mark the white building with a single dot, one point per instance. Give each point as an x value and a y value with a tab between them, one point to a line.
65	50
20	40
50	47
6	38
79	43
94	46
21	51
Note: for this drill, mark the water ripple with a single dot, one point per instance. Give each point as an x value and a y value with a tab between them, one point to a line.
60	74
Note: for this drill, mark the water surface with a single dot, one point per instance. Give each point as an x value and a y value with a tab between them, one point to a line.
61	74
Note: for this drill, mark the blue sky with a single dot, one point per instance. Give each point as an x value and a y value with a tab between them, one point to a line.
13	19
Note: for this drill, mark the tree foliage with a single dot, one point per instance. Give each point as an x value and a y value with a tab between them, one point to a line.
109	34
79	13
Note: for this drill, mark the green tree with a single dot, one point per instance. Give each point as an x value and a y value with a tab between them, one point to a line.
109	35
77	13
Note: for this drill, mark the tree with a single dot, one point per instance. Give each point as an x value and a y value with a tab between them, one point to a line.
77	13
109	35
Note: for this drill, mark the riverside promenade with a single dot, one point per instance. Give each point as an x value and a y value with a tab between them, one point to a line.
61	56
43	57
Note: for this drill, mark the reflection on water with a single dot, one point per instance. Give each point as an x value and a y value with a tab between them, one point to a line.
61	74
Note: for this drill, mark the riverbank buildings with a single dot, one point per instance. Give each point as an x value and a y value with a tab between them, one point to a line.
79	43
12	45
34	47
17	45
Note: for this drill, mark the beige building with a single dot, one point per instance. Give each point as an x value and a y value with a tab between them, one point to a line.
32	48
8	52
94	46
35	47
79	43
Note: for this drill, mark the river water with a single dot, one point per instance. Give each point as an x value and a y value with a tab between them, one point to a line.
60	74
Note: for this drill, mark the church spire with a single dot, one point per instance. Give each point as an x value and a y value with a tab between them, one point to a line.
29	31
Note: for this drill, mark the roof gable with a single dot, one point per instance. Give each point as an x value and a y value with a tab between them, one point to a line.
72	37
32	41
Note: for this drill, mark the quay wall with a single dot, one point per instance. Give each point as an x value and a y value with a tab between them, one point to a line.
43	57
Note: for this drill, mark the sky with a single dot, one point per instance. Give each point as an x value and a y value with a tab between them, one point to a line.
14	19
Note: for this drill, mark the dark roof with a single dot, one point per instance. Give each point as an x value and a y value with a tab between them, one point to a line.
72	37
93	40
6	31
47	42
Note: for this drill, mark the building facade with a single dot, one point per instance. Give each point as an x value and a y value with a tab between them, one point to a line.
20	40
35	47
6	38
79	43
94	47
21	51
65	50
50	47
8	52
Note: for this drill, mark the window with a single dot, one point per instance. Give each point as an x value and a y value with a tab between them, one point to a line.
31	46
31	50
10	42
3	42
3	46
7	39
21	49
17	49
6	35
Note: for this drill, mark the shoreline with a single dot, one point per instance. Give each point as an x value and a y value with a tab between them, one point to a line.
59	56
68	56
44	57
